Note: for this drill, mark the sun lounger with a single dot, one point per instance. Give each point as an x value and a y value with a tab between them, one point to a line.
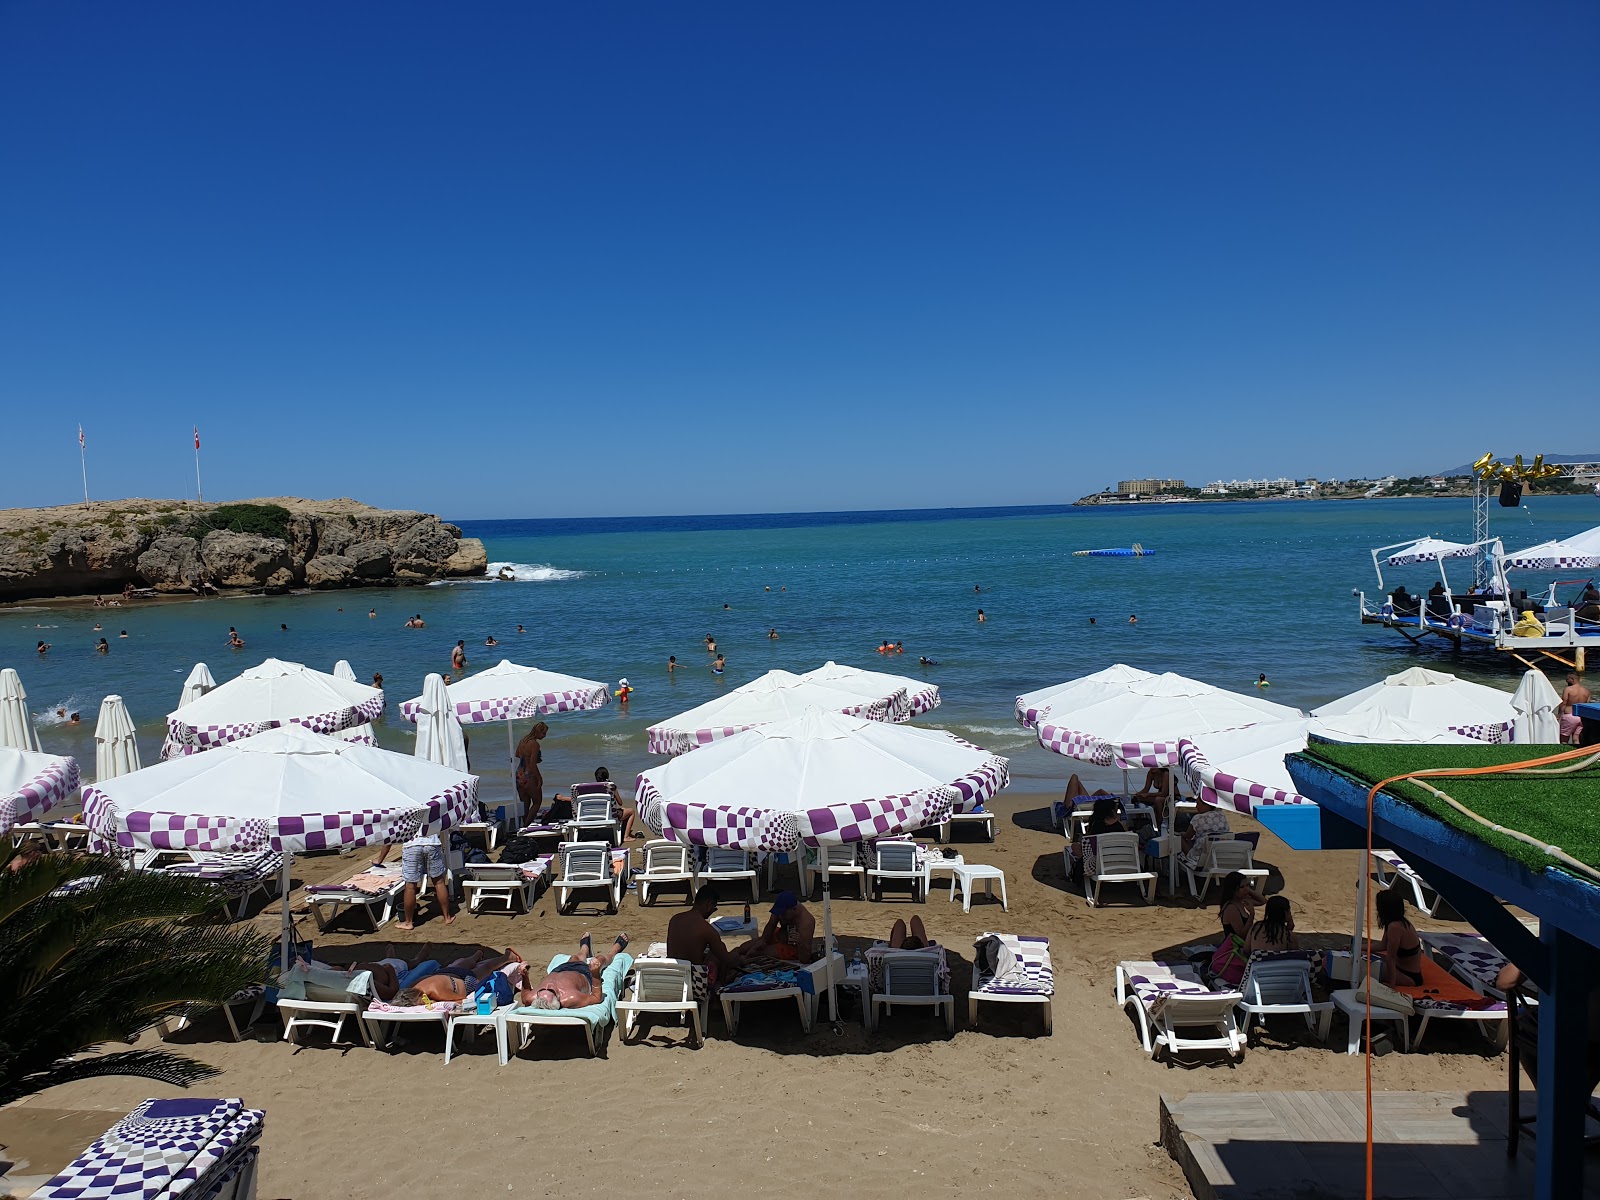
790	981
1009	969
1277	983
982	819
1393	871
1112	858
1171	1003
255	996
593	1019
590	867
833	862
373	891
594	818
511	884
1222	858
440	1013
1471	958
666	863
1443	997
323	998
725	865
909	977
237	876
897	862
189	1147
663	985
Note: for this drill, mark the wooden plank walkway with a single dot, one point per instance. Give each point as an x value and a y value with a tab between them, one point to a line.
1311	1146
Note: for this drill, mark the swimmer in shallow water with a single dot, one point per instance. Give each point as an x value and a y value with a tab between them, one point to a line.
928	662
716	667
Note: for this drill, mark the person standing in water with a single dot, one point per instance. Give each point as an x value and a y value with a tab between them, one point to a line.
716	667
458	656
981	617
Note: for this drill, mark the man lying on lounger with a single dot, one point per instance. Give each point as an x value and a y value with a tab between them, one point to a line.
573	983
431	981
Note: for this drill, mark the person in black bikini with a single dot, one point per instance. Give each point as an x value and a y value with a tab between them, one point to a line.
1238	913
572	983
1400	948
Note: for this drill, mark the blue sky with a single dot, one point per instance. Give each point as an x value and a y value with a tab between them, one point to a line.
550	260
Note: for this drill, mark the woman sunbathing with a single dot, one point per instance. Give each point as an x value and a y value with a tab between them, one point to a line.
456	981
572	983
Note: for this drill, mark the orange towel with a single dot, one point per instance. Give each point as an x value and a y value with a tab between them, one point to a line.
1441	986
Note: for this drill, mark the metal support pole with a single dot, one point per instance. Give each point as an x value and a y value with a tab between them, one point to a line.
1563	1068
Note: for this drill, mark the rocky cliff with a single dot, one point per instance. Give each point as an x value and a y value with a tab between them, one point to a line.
178	546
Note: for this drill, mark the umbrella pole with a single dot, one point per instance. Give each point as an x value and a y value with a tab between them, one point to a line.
287	936
1357	950
827	947
511	757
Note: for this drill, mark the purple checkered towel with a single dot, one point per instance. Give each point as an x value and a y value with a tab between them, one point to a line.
1020	966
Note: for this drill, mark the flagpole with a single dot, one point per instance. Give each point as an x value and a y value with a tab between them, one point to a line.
83	463
199	492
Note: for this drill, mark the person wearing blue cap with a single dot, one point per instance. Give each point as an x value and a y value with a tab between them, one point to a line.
791	931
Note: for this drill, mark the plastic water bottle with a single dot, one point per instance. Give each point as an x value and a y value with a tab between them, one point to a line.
856	963
747	914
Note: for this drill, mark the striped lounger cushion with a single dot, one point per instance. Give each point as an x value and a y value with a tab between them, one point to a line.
1472	954
1029	975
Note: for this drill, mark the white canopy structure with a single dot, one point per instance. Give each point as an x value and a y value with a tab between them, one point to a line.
1429	549
197	685
1537	705
919	696
31	783
439	737
775	696
1434	699
265	697
1580	552
1141	723
287	790
16	722
1033	707
116	747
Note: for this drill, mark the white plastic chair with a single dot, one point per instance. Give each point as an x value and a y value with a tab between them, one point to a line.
666	863
1116	859
839	861
1283	985
594	819
1222	859
502	883
586	867
896	862
663	985
911	977
726	865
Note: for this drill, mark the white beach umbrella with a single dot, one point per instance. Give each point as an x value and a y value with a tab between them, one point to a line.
287	790
821	778
439	736
1434	699
363	734
1033	707
116	748
31	783
16	722
775	696
916	696
265	697
510	692
1581	552
197	685
1536	702
1429	549
1141	723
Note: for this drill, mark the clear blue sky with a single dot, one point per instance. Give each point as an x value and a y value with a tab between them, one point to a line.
763	257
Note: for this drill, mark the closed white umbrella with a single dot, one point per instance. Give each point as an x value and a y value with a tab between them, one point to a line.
913	697
1435	699
1033	707
821	778
510	692
362	734
116	748
439	736
265	697
286	790
1537	704
775	696
16	722
343	670
31	783
197	685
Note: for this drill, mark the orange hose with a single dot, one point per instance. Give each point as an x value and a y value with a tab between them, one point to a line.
1366	866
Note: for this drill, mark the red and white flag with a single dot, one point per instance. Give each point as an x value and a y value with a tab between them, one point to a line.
80	437
197	437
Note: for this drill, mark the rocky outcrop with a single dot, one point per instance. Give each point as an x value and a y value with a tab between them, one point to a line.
262	545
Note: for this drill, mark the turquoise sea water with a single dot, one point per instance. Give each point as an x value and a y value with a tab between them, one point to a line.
1233	590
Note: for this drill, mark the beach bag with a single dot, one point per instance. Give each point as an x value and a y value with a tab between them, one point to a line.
1383	996
1228	960
519	850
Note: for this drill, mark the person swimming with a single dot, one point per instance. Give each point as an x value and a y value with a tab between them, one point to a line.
716	667
928	662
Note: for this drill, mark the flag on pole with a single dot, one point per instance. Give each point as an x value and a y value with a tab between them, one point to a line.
197	437
80	437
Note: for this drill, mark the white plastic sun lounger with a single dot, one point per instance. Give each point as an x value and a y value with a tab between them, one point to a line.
825	972
589	867
725	865
377	907
1222	859
663	986
593	1019
1023	977
982	819
911	977
255	995
513	885
377	1015
1393	871
1279	983
841	861
1113	858
1171	1003
666	863
896	862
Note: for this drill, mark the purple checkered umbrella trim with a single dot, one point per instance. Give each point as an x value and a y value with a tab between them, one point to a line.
974	789
1083	746
1220	788
161	1148
865	820
663	739
1495	734
923	700
39	794
183	739
312	831
519	708
729	827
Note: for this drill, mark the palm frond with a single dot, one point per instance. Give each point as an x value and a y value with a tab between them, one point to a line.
161	1065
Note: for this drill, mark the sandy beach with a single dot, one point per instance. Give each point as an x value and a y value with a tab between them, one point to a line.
777	1112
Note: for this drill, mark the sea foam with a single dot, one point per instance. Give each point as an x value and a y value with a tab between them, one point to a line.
531	572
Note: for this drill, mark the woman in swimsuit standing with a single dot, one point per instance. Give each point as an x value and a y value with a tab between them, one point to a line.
1400	948
530	781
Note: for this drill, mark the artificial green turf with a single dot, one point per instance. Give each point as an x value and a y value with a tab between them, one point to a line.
1562	811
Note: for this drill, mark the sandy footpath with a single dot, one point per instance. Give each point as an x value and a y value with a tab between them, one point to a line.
776	1113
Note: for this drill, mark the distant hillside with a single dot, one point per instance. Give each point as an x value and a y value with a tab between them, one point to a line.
1466	468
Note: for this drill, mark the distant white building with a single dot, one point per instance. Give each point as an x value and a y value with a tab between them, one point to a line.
1438	482
1215	488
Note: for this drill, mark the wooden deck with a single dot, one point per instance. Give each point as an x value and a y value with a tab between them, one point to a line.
1311	1146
